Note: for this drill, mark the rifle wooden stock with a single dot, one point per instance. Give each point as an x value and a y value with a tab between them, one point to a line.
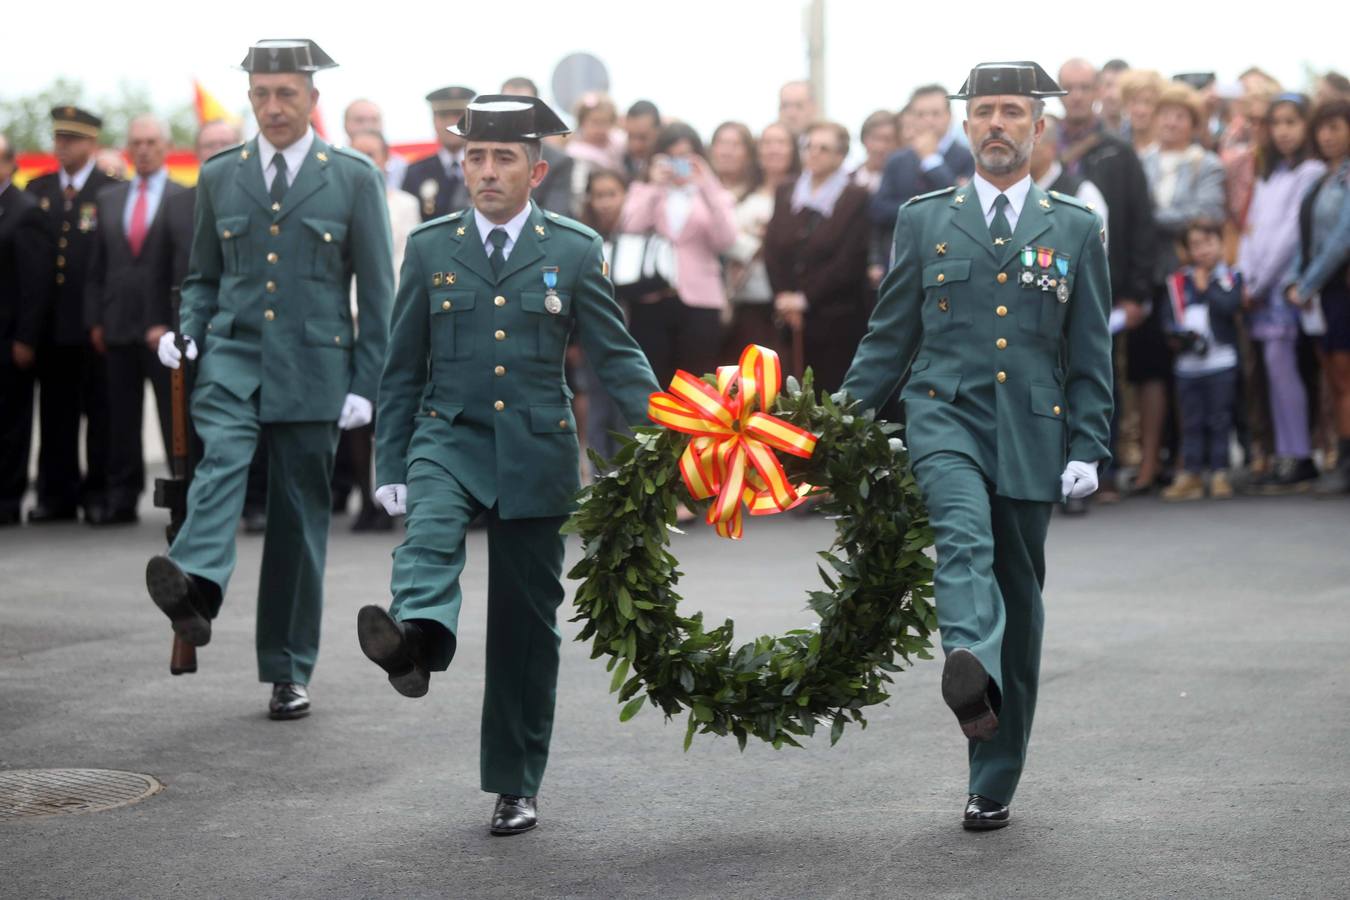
171	493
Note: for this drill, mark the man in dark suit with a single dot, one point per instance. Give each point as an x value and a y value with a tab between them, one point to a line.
934	159
70	371
127	307
555	191
438	180
24	250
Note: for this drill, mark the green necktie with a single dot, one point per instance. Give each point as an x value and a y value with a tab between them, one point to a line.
497	238
999	229
279	184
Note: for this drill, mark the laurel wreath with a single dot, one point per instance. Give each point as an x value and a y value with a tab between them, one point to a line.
875	609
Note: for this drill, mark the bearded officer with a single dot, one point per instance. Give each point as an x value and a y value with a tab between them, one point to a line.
474	416
438	180
283	222
996	308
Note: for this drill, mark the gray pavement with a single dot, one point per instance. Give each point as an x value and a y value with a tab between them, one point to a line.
1193	737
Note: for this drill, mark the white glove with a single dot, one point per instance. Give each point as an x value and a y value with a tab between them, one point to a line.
168	353
393	497
1078	481
356	411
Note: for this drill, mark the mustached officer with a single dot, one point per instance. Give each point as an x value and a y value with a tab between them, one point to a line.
438	180
996	308
283	222
474	416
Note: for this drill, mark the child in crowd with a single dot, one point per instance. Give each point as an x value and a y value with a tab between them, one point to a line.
1201	322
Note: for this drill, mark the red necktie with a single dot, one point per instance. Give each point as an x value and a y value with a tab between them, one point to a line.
136	236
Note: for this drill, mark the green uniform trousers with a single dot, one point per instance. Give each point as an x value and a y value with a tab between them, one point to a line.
525	560
300	463
990	571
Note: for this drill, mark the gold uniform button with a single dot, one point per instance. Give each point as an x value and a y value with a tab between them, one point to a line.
1001	377
499	406
274	230
1057	410
562	423
1002	277
445	305
65	226
1001	343
227	234
1001	311
499	371
60	279
271	287
60	262
941	278
500	335
327	238
499	301
932	393
269	315
63	243
432	413
337	339
272	258
276	207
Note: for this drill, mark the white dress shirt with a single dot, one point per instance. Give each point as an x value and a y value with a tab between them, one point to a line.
1017	196
294	155
79	178
154	192
453	162
513	228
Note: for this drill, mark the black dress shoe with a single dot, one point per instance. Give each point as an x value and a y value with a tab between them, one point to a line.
372	519
983	814
289	701
397	647
105	516
42	515
179	596
965	687
513	815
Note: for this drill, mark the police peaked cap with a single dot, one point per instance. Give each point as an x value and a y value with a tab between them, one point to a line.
507	119
286	55
1023	79
75	121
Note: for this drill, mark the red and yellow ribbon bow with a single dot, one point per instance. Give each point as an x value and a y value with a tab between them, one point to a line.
731	454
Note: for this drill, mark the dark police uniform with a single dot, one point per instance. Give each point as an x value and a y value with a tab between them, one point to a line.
1008	356
438	189
474	415
70	373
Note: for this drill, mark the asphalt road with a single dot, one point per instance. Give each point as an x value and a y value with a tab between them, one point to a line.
1193	737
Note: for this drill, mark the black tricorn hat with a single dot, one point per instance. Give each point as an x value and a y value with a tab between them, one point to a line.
508	119
286	55
1023	79
76	121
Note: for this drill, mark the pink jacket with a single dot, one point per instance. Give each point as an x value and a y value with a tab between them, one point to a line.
709	231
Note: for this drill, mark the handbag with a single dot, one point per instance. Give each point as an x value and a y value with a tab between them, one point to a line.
643	264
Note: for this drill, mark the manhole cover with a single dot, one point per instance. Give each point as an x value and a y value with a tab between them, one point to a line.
26	793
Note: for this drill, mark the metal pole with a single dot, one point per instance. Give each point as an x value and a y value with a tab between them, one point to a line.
815	51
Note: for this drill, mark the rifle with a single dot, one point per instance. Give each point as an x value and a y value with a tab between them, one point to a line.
171	493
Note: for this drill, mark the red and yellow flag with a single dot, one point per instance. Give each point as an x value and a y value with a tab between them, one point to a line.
209	109
731	453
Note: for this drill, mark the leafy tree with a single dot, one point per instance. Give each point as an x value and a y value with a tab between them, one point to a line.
26	121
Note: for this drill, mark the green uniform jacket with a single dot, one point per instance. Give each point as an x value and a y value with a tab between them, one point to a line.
474	378
1015	375
267	297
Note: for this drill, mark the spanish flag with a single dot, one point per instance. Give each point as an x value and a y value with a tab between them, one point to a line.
209	109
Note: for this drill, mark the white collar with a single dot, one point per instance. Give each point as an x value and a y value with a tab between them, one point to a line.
294	154
1051	175
153	181
513	227
1017	194
448	159
79	178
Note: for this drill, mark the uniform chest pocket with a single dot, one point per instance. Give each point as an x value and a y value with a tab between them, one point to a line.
451	337
552	315
325	241
233	234
1042	311
946	295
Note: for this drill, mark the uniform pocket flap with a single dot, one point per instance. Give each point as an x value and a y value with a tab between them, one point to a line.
935	385
221	324
446	412
552	419
944	271
327	230
451	301
919	366
328	333
1047	400
538	302
231	227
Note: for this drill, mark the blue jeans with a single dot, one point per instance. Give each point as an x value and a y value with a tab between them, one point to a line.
1206	405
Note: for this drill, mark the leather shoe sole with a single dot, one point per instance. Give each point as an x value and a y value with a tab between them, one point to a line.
965	688
507	832
282	715
984	824
383	643
171	589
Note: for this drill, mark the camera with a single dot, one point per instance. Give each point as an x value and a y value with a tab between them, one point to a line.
1190	342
